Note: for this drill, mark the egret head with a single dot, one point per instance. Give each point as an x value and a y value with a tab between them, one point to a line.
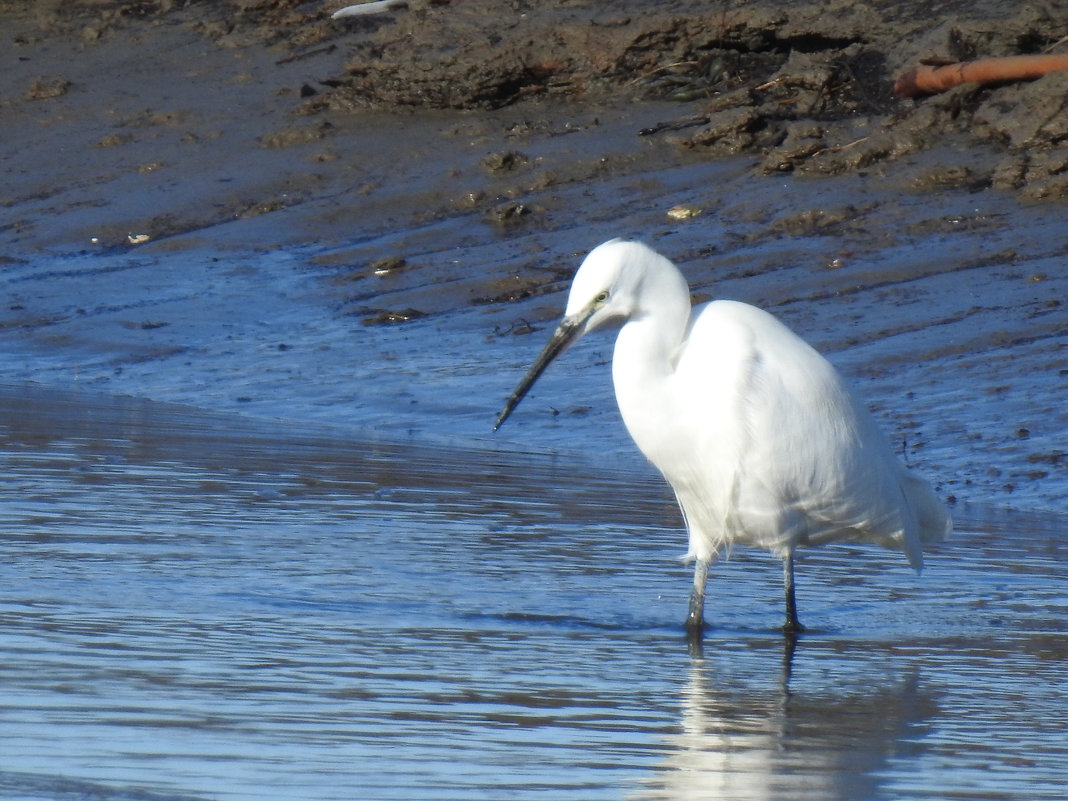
606	289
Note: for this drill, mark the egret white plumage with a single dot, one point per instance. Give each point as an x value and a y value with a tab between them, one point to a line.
755	431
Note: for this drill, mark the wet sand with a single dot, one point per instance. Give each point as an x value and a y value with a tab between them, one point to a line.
258	322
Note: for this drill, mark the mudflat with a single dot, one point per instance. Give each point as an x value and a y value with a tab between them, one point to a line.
248	206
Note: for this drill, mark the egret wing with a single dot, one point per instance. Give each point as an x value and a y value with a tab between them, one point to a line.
793	457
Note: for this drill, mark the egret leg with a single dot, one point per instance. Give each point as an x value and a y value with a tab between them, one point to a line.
695	620
792	624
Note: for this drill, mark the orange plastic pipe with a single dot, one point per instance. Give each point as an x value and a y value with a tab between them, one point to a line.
926	80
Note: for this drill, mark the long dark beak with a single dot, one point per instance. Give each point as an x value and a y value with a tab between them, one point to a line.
565	334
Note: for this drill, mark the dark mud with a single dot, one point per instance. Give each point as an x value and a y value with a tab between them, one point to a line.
161	95
807	86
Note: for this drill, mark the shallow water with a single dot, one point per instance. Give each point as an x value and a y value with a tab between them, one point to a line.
195	606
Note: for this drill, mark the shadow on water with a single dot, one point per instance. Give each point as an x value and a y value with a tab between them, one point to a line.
194	606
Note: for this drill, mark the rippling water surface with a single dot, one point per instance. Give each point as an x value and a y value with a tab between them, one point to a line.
193	607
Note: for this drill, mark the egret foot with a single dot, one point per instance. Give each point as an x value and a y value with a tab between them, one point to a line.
792	626
695	622
695	619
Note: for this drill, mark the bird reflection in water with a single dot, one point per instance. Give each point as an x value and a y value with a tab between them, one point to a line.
834	734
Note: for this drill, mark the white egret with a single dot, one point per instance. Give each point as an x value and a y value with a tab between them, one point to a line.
757	434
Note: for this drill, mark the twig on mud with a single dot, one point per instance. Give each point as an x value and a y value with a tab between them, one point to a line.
846	146
1056	44
662	68
675	125
306	54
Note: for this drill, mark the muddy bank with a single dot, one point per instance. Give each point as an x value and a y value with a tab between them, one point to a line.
128	122
135	123
155	87
224	205
807	88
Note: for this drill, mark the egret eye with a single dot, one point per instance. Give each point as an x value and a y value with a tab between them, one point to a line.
601	298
